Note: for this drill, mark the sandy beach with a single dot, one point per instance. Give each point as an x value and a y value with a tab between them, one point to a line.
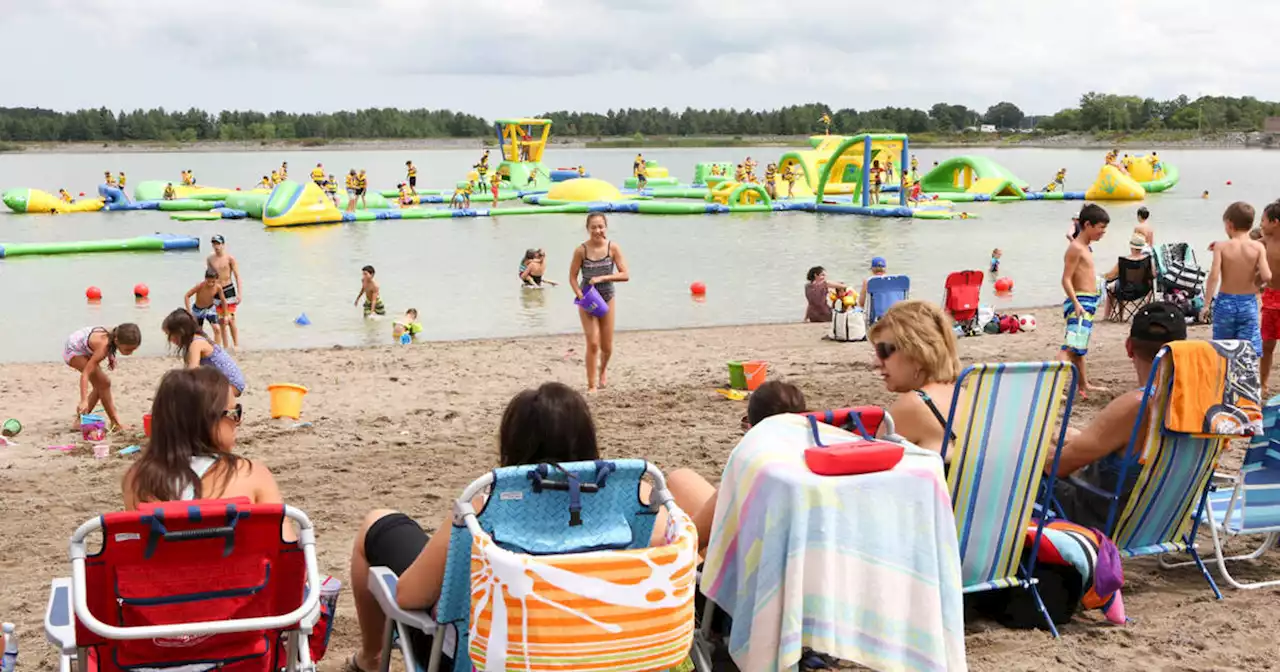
407	427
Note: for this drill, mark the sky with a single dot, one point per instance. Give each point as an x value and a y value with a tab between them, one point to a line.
498	58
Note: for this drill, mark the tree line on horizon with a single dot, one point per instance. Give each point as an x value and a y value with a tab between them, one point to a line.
1096	112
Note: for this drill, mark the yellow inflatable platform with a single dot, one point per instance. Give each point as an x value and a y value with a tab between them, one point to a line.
43	202
1113	185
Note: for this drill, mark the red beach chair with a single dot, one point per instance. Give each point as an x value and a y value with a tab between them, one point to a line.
960	299
198	585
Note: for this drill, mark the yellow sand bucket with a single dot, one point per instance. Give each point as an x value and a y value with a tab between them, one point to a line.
286	400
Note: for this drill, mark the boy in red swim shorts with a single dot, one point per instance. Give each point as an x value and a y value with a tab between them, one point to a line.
1270	293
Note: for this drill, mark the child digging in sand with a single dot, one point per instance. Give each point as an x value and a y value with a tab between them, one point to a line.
84	351
1080	283
196	349
1240	265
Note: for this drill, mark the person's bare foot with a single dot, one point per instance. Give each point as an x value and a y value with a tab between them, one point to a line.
604	380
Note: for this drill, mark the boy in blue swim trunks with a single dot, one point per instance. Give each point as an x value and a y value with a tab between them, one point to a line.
202	301
1240	264
1080	282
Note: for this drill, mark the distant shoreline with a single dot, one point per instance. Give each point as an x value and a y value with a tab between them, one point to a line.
1167	140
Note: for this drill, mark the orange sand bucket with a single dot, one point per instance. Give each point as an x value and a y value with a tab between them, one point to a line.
146	425
748	375
286	400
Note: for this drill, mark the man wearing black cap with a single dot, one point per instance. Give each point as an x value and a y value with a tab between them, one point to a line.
229	277
1097	451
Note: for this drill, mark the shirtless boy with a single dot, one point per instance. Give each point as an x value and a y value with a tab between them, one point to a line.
369	290
1240	265
201	299
1080	283
1270	294
229	279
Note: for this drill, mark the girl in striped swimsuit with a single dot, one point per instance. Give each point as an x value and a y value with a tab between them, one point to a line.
601	264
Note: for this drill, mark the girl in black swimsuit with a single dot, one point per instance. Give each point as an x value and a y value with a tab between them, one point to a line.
915	352
601	264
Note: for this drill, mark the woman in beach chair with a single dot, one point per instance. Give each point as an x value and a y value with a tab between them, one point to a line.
915	352
551	424
193	433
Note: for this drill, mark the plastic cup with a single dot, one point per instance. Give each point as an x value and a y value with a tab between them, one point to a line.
11	427
101	450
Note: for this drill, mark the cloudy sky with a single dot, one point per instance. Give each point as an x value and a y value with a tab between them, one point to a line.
509	57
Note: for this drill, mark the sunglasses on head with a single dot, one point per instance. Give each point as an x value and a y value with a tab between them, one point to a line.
885	350
234	414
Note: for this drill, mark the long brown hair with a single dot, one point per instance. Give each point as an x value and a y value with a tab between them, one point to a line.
549	424
188	406
182	324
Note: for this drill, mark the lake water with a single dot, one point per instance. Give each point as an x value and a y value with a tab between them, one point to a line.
461	274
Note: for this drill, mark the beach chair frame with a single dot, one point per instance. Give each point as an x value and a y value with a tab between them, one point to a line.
383	582
68	606
882	294
1136	275
1169	498
1259	475
1015	408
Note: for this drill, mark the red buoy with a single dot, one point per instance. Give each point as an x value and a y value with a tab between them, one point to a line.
1004	284
93	294
141	291
698	289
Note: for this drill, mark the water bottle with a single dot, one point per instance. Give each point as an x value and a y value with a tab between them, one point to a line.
10	660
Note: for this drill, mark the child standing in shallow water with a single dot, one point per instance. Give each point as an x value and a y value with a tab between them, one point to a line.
85	350
371	293
1080	282
1240	264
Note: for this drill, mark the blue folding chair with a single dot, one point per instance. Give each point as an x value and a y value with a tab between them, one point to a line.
882	292
1005	420
1249	502
538	510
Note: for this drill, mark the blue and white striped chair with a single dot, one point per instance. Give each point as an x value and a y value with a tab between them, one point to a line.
1003	424
1249	504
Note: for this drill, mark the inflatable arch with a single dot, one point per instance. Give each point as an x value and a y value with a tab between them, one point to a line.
736	193
971	174
848	160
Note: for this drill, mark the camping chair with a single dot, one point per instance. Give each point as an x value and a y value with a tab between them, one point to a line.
575	540
1167	500
960	296
1250	503
882	292
1001	427
1132	289
1179	278
188	583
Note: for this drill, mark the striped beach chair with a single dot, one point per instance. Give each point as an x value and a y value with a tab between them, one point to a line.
556	572
1174	470
1005	420
1249	503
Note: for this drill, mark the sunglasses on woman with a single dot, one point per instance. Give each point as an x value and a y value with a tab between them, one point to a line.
885	350
234	414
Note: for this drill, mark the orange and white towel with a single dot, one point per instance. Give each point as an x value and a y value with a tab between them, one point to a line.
1215	389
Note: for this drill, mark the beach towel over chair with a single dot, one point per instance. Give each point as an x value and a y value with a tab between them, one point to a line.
1167	497
556	571
960	299
882	292
1005	420
205	584
1249	503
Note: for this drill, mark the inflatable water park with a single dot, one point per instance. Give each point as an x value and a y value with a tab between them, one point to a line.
836	174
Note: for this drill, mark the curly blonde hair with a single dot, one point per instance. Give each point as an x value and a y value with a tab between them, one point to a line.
923	332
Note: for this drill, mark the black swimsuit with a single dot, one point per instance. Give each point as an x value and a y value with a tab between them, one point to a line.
933	408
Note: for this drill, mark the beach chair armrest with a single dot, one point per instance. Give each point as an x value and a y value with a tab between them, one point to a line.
1089	487
382	583
59	619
